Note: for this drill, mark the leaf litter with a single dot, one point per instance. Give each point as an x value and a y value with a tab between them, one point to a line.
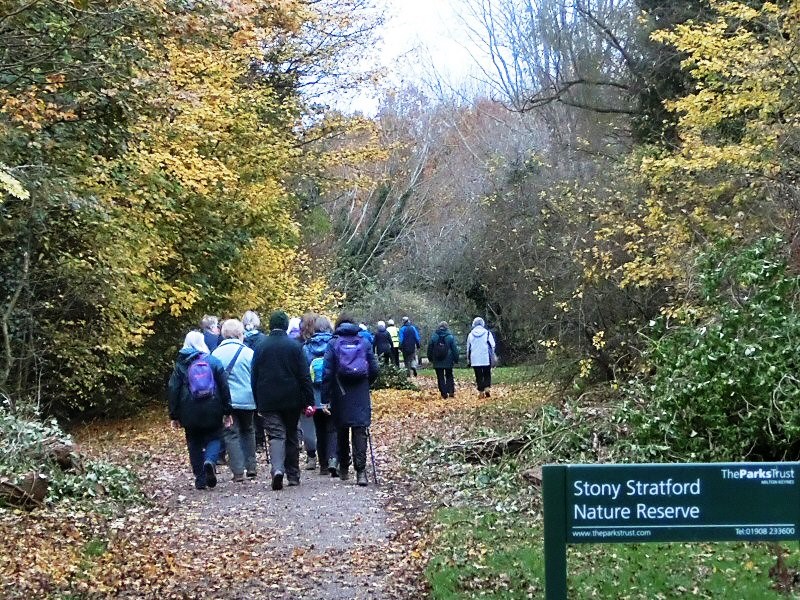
323	539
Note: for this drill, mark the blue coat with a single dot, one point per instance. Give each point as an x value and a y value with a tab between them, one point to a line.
351	405
409	339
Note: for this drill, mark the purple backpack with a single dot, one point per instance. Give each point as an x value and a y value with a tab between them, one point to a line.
200	377
352	358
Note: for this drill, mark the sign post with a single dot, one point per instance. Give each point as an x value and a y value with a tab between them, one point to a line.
664	503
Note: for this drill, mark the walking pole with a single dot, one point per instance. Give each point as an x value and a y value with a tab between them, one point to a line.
372	455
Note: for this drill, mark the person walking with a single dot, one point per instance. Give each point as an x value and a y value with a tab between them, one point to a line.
252	328
443	354
209	325
324	425
350	368
409	343
383	343
307	432
282	390
481	356
394	333
200	402
240	437
253	335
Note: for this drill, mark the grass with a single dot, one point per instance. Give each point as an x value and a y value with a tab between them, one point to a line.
480	554
517	375
488	540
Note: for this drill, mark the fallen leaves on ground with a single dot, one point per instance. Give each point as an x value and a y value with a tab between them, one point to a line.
239	540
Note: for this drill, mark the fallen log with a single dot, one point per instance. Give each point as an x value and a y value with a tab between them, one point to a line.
489	448
27	493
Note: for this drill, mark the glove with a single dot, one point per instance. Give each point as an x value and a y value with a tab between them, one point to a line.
309	411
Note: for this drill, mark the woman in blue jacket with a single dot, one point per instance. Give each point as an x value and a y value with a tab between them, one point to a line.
240	437
350	369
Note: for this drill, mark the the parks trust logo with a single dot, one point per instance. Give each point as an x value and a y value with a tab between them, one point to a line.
768	476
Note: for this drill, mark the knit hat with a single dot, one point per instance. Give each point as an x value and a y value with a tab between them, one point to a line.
278	320
391	322
477	321
405	319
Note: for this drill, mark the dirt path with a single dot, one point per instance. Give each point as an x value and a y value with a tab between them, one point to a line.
325	539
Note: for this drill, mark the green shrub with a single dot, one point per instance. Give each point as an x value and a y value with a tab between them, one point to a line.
724	383
395	378
26	447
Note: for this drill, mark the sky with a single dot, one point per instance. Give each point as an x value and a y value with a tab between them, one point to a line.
424	35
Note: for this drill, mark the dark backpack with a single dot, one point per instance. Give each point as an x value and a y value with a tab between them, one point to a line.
440	348
200	378
352	358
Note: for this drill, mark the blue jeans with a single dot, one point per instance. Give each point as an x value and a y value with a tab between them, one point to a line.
203	445
240	440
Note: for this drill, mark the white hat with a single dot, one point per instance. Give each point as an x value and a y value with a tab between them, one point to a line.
391	321
405	319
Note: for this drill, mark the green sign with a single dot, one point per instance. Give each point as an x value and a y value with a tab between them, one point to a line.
665	502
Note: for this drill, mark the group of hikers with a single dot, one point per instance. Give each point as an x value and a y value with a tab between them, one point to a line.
304	379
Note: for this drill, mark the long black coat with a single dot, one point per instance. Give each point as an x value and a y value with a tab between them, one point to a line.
351	405
279	374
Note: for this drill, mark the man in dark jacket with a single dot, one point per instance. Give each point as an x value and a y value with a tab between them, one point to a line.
282	390
443	354
349	394
383	343
201	419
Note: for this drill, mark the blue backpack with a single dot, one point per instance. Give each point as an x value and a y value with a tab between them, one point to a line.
200	378
317	368
352	358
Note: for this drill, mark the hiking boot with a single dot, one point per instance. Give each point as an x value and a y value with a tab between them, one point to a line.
333	467
487	393
199	486
452	395
238	477
211	475
323	470
277	481
361	478
251	474
293	482
311	463
344	473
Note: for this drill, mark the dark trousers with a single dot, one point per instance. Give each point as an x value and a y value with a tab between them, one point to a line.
203	445
284	447
359	447
396	356
444	379
386	357
483	377
326	438
261	437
